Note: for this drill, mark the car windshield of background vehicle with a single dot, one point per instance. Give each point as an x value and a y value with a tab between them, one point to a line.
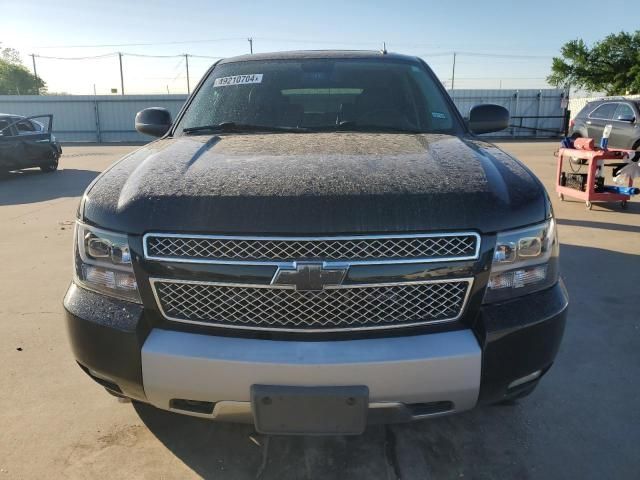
323	95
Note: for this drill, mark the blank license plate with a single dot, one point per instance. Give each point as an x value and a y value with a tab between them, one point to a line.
309	410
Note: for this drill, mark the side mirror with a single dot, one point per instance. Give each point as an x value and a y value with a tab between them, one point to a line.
488	118
626	118
154	121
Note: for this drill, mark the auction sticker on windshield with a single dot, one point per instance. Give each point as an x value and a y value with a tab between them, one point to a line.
238	80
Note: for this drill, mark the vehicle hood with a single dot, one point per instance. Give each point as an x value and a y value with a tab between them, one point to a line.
315	183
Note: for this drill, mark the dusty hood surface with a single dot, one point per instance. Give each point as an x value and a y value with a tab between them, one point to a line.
315	183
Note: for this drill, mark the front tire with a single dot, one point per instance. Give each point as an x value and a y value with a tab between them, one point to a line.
50	167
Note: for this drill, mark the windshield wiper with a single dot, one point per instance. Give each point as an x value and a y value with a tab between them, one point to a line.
241	127
351	126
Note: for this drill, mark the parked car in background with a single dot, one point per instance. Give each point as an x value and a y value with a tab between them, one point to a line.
27	142
622	114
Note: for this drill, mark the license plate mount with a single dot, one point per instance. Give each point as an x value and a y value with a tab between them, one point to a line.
292	410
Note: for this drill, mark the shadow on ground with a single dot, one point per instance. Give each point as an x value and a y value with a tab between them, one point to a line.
619	227
32	185
581	422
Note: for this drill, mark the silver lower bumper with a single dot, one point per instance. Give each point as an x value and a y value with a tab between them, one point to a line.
443	367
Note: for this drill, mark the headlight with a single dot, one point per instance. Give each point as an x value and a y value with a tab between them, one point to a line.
103	263
524	261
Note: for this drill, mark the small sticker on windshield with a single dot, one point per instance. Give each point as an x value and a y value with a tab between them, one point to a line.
238	80
438	115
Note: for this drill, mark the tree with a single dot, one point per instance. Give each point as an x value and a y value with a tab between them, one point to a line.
15	79
10	55
612	65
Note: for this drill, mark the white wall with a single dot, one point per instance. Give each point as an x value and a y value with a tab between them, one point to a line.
110	118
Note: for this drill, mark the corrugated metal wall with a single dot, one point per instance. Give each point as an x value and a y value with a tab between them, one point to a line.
109	118
87	118
522	105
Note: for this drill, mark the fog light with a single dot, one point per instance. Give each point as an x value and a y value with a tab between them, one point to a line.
525	379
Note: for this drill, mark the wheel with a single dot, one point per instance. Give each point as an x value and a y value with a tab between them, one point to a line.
50	167
589	205
623	204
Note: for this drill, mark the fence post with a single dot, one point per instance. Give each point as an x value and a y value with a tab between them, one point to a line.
517	97
96	111
538	114
565	96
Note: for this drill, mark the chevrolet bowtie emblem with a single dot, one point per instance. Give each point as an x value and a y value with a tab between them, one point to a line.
309	276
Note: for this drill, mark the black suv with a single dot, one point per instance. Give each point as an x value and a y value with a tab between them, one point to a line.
622	114
317	241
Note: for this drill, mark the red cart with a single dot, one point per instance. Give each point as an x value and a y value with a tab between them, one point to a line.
592	158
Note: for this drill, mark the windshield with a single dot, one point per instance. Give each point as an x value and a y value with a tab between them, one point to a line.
321	95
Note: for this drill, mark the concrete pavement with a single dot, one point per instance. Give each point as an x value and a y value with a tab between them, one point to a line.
582	422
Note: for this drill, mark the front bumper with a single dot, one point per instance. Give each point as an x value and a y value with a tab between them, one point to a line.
117	345
443	367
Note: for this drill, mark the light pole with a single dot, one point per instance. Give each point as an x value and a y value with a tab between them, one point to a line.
453	72
186	60
35	72
121	75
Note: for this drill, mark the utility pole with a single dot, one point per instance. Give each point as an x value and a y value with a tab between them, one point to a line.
453	73
186	60
121	75
35	72
250	40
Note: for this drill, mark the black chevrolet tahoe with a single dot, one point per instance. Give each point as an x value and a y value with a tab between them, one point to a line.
317	241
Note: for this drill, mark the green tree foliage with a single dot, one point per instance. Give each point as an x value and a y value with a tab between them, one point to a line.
15	79
611	65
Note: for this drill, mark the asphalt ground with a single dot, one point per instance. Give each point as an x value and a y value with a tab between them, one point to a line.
583	421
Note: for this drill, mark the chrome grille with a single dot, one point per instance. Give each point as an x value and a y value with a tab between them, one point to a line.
422	247
343	308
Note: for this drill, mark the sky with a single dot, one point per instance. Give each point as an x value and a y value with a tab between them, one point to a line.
498	44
